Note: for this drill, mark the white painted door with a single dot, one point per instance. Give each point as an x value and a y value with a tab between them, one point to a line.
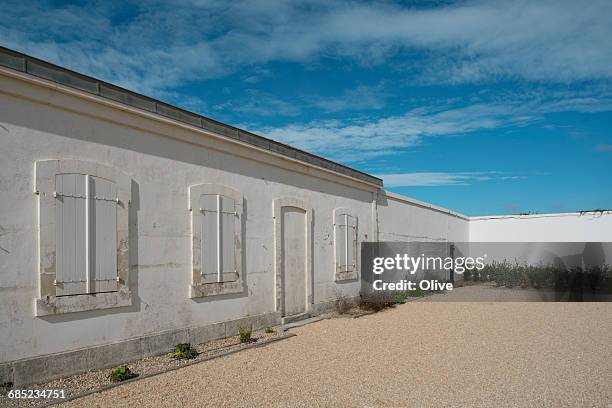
293	252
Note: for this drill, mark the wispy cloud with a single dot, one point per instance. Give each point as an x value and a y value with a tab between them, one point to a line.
257	74
442	179
356	140
260	104
360	97
604	147
154	45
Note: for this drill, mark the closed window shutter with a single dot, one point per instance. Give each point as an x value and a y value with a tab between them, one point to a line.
228	232
340	235
71	249
351	243
218	238
346	243
210	239
103	234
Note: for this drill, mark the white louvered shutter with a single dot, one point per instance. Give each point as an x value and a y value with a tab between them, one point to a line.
340	235
103	234
218	238
71	250
346	242
210	238
227	239
351	243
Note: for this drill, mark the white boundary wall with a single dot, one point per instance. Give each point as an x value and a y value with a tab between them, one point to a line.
564	227
405	219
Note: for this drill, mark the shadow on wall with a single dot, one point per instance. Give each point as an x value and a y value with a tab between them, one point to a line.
120	136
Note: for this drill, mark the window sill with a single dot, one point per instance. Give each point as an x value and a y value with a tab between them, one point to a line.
214	289
80	303
344	276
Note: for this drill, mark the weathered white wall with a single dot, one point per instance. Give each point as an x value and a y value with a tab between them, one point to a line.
567	227
405	219
38	123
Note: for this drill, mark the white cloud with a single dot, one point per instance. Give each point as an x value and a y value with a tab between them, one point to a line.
441	179
260	104
360	97
159	45
358	140
604	147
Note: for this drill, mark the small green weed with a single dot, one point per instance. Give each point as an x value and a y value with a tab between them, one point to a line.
183	350
122	373
245	333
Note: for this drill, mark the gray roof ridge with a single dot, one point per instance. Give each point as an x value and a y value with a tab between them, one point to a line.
33	66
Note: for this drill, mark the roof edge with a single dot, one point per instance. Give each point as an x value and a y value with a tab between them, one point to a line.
423	204
594	213
42	69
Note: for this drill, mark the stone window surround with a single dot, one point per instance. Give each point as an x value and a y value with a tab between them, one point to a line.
277	207
197	288
47	303
354	274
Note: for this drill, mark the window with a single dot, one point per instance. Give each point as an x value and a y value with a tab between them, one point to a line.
86	231
345	244
216	220
83	234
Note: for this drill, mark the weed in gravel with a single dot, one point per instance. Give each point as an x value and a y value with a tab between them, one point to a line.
400	297
343	305
269	330
376	301
183	351
122	373
5	387
245	333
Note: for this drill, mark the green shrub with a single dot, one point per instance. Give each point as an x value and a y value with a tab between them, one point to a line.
245	333
183	350
400	297
121	373
269	330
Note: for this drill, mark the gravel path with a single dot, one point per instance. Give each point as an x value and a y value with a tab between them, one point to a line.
419	354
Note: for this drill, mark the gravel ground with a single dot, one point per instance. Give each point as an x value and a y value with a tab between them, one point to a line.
80	383
422	353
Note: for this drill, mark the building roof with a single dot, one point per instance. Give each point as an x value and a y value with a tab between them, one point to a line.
42	69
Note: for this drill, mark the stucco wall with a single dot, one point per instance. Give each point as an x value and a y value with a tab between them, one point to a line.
41	121
405	219
568	227
163	161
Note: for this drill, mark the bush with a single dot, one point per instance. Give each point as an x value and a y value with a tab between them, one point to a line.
5	387
269	330
121	373
376	301
400	297
593	279
343	305
245	333
183	350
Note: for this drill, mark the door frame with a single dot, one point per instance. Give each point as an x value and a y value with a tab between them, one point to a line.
277	207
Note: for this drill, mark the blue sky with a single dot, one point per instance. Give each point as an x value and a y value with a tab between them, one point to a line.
482	107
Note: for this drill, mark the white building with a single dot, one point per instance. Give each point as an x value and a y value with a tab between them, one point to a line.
128	225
